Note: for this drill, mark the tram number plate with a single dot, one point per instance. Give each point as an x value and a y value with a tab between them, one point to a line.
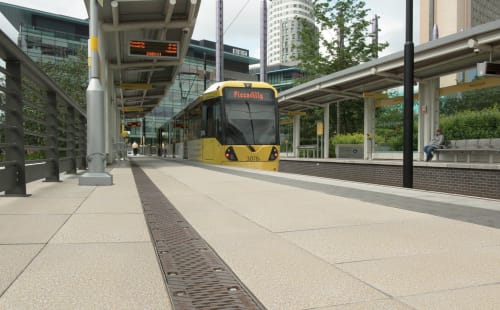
253	158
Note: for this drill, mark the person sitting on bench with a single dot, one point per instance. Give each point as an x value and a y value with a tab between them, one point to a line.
435	143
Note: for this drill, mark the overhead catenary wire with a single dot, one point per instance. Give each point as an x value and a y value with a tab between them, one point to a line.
234	18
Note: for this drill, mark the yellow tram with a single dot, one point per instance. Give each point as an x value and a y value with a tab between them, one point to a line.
234	123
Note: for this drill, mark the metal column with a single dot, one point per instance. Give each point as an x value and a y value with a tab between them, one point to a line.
219	49
14	137
369	134
326	131
96	133
52	138
296	135
263	41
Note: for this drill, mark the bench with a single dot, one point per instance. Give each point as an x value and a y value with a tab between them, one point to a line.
471	150
306	149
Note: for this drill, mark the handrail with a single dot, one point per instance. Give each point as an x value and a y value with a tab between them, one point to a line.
42	130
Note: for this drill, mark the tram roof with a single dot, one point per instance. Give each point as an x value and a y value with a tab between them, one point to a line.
433	59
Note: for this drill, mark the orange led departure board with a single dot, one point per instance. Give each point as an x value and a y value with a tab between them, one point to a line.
155	49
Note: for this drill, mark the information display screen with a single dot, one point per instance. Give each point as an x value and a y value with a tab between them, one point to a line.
154	49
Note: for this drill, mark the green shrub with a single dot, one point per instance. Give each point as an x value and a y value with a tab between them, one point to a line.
354	138
472	124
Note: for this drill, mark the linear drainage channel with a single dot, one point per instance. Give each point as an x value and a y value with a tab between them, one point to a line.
195	275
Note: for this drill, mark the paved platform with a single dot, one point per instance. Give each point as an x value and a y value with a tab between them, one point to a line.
295	242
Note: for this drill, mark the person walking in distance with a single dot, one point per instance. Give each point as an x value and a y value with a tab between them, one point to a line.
135	148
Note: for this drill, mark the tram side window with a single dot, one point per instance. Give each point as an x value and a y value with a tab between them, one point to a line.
194	124
212	120
218	121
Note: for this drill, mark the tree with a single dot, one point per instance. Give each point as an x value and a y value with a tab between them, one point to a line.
71	74
339	40
473	100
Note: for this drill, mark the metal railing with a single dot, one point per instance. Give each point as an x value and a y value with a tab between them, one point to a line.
42	131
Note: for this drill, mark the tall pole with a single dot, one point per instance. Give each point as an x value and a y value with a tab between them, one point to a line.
263	41
96	157
204	71
375	36
408	99
431	19
219	49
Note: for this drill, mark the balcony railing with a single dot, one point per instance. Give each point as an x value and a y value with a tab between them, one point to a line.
42	131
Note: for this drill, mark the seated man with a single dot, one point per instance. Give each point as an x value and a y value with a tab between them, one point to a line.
435	143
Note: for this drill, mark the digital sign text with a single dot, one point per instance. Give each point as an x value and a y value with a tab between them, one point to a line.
158	49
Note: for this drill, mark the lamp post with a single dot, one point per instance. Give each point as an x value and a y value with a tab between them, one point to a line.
96	157
374	36
263	41
219	49
408	99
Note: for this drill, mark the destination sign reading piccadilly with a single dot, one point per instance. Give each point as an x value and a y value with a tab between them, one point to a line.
154	49
248	93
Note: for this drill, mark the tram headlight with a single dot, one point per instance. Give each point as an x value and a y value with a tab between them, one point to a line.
274	153
230	155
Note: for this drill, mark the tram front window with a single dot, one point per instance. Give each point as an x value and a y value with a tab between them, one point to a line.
250	123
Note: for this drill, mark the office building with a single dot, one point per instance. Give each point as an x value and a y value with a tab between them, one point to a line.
44	36
284	29
452	16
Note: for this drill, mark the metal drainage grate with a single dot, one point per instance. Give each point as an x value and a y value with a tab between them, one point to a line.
196	277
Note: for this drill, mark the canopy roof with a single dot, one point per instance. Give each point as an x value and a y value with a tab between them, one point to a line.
433	59
140	81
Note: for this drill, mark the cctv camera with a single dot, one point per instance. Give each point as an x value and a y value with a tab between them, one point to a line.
185	30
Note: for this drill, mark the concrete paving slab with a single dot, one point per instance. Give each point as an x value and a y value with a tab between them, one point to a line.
318	211
36	228
280	274
37	205
13	259
103	228
394	190
90	276
476	202
421	274
424	235
259	203
111	204
373	305
203	180
65	189
397	252
283	276
478	297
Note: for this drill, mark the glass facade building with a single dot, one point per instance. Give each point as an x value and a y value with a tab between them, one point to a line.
47	37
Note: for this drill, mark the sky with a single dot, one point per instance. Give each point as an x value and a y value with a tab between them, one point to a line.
241	20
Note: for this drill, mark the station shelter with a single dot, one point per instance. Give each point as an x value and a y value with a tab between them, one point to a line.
475	47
